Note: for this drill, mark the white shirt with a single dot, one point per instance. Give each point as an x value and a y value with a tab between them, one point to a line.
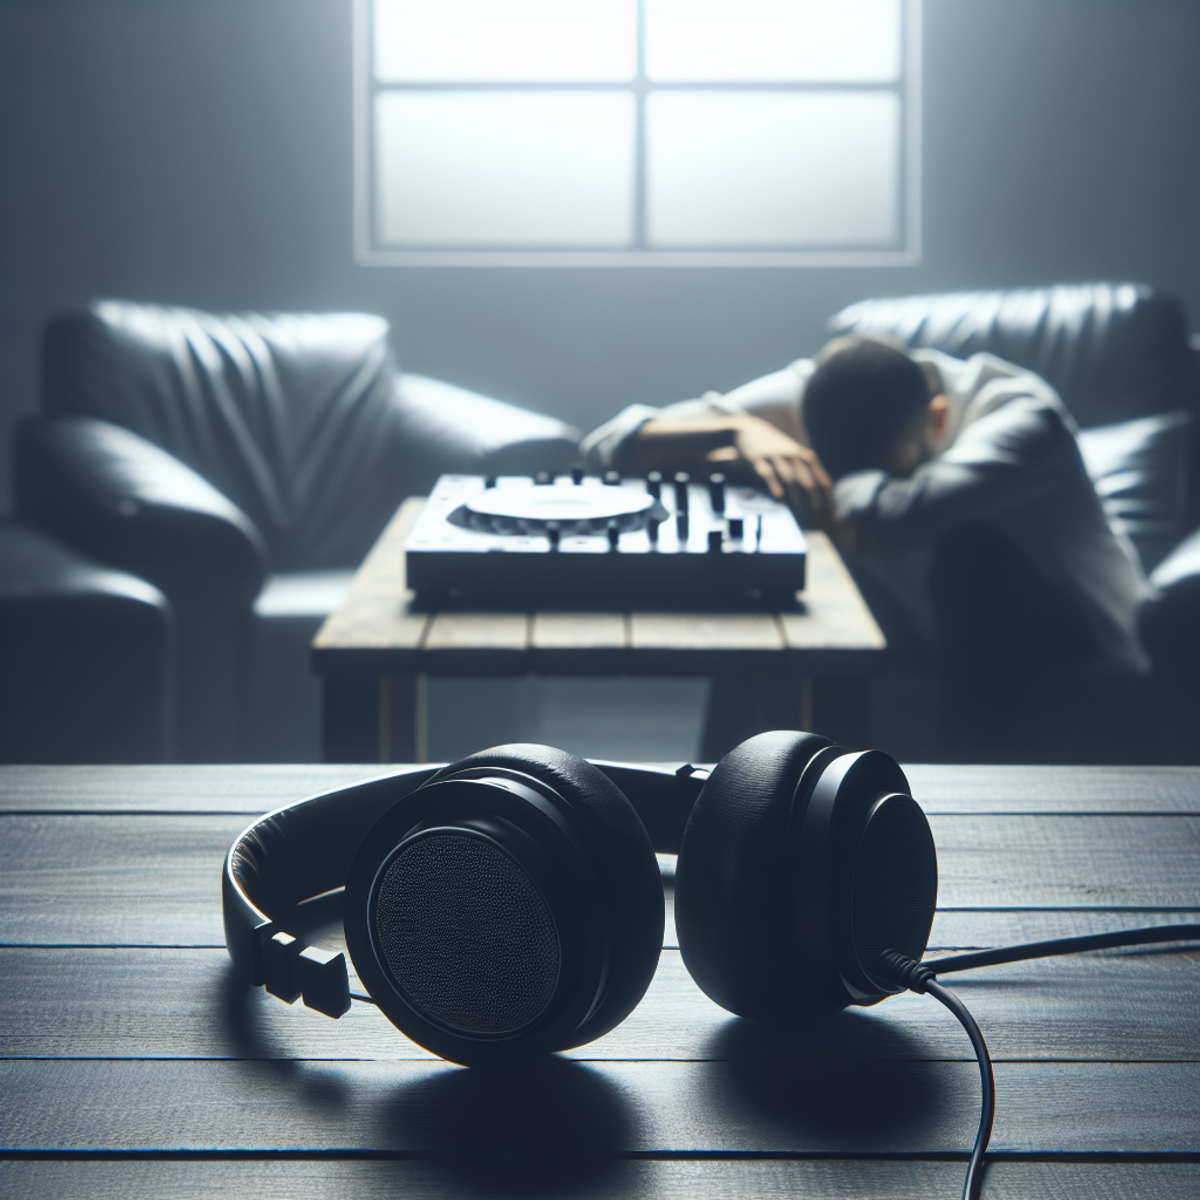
1009	459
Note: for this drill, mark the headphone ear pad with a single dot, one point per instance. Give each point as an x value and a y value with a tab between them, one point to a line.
734	903
622	858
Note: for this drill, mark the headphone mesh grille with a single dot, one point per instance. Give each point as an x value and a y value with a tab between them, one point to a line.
466	934
895	884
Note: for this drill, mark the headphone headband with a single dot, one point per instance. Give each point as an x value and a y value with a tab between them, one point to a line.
304	850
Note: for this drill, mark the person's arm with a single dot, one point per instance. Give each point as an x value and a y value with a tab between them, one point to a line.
747	448
1005	459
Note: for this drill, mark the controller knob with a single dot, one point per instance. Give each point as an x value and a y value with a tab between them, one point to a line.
682	479
716	492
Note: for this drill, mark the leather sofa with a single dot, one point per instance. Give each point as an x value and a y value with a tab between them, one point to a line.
86	656
243	465
1121	359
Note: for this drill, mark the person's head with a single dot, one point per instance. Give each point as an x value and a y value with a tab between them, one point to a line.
869	406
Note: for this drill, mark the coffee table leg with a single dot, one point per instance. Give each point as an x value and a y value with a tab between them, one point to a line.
370	719
402	719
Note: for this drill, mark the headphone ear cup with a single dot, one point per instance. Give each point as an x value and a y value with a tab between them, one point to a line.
510	906
734	908
626	870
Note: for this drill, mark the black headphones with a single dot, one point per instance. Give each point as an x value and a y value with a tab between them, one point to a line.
511	903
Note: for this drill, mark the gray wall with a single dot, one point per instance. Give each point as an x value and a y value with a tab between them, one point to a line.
198	152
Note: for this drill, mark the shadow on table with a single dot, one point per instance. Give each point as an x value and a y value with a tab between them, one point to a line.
849	1080
241	1015
551	1125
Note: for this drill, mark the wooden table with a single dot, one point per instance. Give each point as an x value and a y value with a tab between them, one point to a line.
135	1066
810	667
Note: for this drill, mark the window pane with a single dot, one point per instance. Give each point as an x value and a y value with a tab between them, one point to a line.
505	168
850	41
772	168
489	41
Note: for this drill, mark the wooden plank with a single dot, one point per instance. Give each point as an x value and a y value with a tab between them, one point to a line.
250	788
704	631
157	1003
706	643
476	644
153	879
571	643
837	1179
579	631
1049	789
1060	862
594	1111
113	879
477	631
376	613
246	788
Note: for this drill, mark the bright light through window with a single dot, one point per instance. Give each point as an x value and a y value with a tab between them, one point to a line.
637	132
834	186
830	41
550	174
509	41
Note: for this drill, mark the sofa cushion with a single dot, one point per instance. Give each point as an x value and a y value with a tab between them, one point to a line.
1112	351
1140	469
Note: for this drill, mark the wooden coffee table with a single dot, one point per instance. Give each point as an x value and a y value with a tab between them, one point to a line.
809	668
133	1063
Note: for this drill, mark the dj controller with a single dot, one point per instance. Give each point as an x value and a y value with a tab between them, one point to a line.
607	543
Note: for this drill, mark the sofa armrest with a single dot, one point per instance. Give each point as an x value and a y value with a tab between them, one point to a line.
87	654
124	501
1169	623
450	429
1170	618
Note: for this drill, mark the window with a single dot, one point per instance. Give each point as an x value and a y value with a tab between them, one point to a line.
637	132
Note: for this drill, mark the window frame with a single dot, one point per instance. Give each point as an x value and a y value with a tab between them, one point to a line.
907	251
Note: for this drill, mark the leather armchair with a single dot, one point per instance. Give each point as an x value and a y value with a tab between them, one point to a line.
244	465
1119	355
85	658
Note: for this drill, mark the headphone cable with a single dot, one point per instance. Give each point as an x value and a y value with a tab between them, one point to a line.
987	1108
922	977
1072	945
919	977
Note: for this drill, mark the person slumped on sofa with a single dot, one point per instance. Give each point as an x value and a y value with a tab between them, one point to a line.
956	491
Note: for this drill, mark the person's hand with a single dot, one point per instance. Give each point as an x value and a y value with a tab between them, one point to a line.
790	471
